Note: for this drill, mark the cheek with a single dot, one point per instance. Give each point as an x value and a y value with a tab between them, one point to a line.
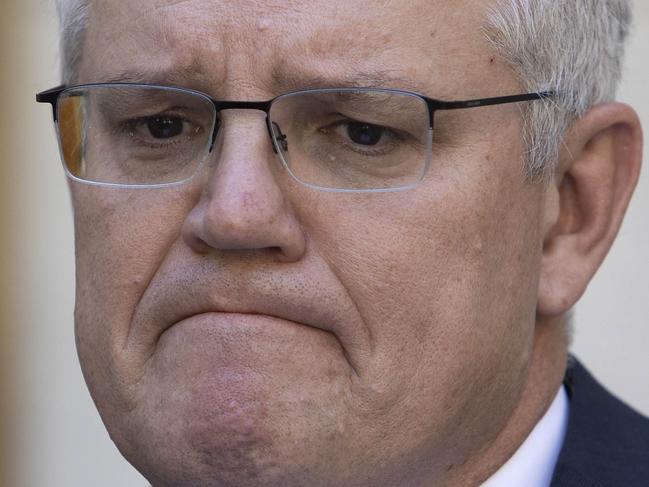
427	258
440	274
121	236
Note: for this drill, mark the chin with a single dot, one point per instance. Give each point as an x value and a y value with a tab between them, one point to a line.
211	414
245	402
230	443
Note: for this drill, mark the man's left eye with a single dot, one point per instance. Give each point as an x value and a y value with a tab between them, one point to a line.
364	133
164	127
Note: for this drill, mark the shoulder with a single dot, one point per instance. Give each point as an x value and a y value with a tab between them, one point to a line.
606	443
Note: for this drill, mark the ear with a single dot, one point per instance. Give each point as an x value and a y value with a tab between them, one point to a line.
585	204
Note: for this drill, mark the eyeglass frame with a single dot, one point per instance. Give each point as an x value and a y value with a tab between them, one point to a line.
433	105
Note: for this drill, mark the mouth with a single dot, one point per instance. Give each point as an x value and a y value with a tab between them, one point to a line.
258	334
236	339
281	316
210	304
227	319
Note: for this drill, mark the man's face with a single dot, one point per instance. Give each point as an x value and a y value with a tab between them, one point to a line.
242	329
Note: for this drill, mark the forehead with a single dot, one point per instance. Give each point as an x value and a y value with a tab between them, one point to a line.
273	45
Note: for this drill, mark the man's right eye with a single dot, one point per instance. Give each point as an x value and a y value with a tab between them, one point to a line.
164	127
161	128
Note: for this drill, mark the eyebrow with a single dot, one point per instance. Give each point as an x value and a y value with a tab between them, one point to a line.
281	81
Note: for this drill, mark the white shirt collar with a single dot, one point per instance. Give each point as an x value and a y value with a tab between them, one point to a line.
533	463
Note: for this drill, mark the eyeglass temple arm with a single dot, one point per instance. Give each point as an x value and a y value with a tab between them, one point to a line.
51	96
500	100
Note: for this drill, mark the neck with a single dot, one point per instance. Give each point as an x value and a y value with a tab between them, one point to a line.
545	375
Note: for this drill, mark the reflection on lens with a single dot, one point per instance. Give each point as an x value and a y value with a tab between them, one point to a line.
134	135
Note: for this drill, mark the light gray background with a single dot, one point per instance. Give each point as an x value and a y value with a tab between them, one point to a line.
58	439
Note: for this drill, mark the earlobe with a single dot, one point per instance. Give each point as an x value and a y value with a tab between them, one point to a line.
586	203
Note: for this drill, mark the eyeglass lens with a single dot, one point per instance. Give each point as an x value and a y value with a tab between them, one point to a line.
353	139
134	135
337	139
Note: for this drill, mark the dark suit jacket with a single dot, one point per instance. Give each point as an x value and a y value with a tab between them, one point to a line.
607	442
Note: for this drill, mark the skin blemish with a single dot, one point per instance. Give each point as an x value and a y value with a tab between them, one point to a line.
264	24
137	280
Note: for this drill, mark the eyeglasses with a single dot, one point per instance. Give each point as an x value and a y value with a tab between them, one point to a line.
338	139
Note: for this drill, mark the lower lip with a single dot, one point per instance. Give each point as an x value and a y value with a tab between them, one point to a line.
244	337
231	321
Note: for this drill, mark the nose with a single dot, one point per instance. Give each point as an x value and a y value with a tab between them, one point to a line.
242	206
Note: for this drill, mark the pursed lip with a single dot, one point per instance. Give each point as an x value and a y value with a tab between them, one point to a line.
205	326
219	313
298	315
170	301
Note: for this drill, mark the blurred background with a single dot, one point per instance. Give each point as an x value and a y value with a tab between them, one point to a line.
50	431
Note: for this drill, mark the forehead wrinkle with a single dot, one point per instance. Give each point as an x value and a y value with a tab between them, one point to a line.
191	76
206	55
153	45
340	52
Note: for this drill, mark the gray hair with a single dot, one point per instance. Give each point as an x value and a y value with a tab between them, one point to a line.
73	18
574	48
571	47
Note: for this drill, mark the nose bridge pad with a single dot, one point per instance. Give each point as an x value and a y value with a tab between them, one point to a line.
278	136
271	135
215	132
